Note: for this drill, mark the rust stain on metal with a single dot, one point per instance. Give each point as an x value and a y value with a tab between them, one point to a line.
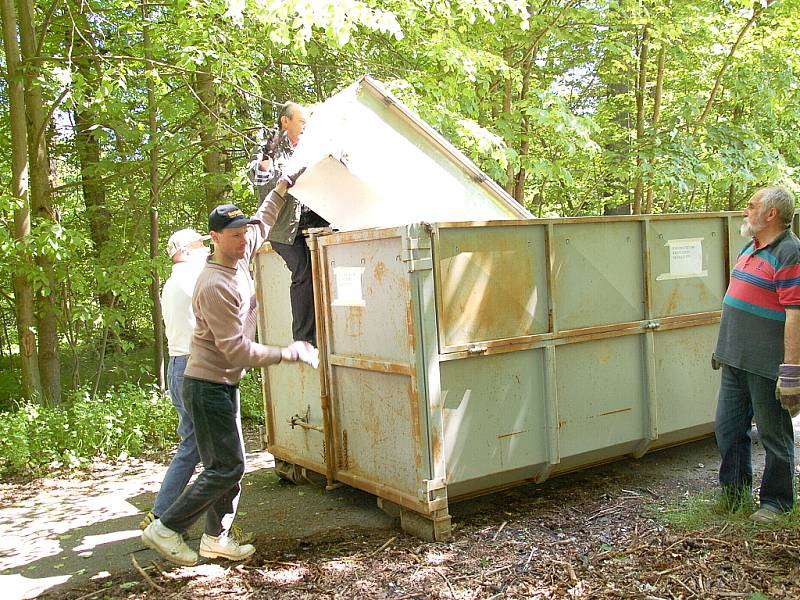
354	325
344	459
379	271
672	301
410	339
614	412
487	288
416	434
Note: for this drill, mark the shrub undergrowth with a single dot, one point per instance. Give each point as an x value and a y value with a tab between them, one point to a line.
125	420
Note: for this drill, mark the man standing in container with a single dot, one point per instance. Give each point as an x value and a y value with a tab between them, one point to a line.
224	303
288	218
758	350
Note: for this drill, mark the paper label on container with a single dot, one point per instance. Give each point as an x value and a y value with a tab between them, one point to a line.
685	259
348	286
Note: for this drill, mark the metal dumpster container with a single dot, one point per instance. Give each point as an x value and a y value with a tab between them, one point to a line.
462	358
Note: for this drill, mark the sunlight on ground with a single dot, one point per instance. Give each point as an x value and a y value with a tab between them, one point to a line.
336	566
204	572
81	515
437	558
19	586
284	576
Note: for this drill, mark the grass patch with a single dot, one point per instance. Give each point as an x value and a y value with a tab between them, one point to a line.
702	510
712	508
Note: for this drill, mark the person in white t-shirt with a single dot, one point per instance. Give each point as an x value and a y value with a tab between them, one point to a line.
188	253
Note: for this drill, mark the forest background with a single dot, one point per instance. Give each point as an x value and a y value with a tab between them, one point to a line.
124	120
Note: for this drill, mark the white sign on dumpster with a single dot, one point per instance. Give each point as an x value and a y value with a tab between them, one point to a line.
348	286
685	259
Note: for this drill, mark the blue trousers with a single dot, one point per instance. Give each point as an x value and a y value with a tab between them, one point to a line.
743	396
214	410
182	467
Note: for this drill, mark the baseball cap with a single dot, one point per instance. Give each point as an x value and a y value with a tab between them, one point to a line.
182	238
228	215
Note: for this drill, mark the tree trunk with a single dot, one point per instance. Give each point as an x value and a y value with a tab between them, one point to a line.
737	117
525	144
39	161
155	193
23	289
757	10
213	160
87	143
507	92
662	53
641	84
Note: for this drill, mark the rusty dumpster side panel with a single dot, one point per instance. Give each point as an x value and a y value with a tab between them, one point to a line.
619	364
466	357
293	412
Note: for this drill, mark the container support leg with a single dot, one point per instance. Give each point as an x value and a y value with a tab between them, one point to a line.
436	527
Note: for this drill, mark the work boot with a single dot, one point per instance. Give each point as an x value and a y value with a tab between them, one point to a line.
766	515
224	547
168	544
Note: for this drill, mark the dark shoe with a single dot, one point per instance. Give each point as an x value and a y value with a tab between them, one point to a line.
766	515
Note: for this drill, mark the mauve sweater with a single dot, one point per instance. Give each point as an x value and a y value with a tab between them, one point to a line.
224	304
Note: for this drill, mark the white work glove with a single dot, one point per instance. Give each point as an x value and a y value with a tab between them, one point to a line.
302	352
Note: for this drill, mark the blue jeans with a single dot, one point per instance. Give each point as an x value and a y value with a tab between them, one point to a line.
742	396
182	467
214	409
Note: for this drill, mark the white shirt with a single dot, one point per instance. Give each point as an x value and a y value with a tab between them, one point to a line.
176	305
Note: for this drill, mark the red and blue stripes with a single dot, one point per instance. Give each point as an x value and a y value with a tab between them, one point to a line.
762	284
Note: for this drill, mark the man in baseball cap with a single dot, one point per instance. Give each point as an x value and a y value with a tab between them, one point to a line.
224	303
228	216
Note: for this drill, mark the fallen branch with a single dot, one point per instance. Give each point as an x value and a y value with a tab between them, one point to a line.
447	581
147	578
384	546
680	583
499	530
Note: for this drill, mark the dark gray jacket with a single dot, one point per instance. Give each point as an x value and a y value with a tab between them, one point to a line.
285	216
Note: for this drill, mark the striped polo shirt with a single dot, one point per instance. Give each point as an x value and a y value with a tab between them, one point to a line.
764	282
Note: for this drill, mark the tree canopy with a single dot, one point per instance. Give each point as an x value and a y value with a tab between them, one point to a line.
129	119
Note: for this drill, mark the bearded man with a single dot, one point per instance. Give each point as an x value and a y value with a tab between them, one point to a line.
758	350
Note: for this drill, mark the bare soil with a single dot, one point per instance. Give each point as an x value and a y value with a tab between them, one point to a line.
600	533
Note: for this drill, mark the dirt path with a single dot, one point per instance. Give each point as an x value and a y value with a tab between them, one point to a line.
593	534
